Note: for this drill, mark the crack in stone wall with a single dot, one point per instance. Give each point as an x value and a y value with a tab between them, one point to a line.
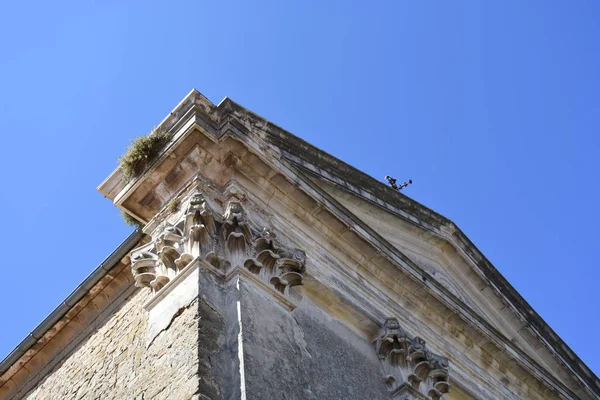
166	328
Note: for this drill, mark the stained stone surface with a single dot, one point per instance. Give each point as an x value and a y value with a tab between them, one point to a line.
194	357
113	362
304	354
218	339
299	354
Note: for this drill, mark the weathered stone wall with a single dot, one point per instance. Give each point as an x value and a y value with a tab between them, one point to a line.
304	354
288	354
113	362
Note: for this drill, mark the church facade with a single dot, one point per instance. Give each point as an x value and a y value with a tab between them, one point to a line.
264	268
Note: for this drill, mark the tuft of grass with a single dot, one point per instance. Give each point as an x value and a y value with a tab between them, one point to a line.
174	204
142	152
129	220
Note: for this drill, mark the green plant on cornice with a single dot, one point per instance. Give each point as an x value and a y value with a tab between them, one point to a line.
129	220
142	152
174	204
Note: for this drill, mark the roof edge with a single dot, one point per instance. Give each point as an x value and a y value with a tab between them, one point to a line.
287	142
292	144
77	294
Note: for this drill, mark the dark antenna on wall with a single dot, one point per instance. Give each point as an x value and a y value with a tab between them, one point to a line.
394	185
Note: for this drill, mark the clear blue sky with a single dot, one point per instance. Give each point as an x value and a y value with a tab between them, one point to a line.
492	108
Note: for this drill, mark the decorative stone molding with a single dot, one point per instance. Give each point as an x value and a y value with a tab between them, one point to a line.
411	370
225	241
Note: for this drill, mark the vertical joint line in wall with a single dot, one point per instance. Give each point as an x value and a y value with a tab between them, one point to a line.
241	345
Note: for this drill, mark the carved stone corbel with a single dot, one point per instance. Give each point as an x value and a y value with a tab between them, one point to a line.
144	264
226	242
290	270
411	370
283	268
236	234
156	263
199	225
266	254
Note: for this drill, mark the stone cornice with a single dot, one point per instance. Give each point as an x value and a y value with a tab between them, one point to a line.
439	291
326	166
361	184
231	120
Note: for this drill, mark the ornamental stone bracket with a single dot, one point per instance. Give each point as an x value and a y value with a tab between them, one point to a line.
411	371
226	242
